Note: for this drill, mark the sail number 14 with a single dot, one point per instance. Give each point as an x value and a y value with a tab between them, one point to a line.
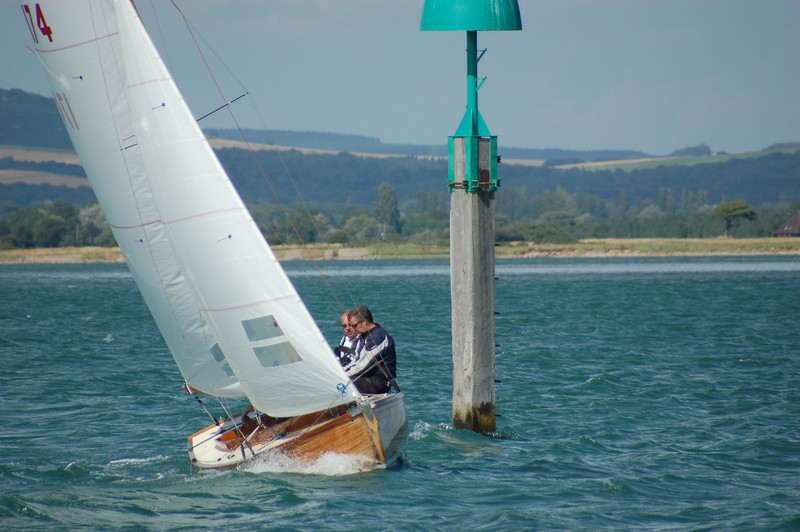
40	24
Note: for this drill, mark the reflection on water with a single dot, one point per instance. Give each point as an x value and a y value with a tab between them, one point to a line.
434	267
550	266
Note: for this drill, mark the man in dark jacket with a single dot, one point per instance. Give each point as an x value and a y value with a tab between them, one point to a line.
373	366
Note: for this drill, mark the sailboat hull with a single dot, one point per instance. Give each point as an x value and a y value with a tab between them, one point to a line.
373	431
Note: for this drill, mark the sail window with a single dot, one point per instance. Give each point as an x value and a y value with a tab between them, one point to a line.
262	328
276	354
217	355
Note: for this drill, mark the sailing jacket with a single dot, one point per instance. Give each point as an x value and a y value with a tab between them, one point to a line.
374	362
345	350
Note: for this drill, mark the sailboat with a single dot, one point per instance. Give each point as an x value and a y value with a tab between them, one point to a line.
228	312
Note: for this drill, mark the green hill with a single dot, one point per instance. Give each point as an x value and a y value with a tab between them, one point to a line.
30	120
771	175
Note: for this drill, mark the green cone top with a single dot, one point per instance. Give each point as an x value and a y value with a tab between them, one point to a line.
471	15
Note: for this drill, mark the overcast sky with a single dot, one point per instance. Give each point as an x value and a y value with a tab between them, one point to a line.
650	75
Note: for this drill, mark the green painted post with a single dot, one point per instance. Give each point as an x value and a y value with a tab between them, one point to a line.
470	124
472	179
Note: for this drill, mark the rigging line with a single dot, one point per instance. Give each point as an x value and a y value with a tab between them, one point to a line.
202	404
199	50
299	194
279	154
193	30
288	172
160	32
314	223
222	106
269	428
224	408
237	427
286	214
255	158
317	231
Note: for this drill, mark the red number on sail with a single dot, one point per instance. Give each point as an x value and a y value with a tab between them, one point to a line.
26	11
42	23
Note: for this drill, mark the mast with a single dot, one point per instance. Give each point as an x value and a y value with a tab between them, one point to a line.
472	181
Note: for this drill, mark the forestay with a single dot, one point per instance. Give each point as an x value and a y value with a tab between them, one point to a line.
224	304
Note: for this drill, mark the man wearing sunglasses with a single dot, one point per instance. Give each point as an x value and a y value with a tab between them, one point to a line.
373	365
347	345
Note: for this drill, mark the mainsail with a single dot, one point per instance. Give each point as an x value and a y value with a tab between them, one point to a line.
229	314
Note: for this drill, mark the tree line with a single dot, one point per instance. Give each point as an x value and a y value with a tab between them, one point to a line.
56	224
553	216
347	198
354	180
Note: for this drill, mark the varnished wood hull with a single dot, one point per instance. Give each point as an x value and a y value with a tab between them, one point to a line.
374	431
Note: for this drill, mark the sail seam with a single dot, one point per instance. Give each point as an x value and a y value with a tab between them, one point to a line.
251	304
77	44
137	226
200	215
148	82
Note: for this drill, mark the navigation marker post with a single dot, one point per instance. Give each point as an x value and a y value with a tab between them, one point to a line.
472	180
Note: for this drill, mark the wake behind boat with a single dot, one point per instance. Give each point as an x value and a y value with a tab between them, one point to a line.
230	316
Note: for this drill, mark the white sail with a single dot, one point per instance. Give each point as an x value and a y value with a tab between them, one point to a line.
78	45
203	266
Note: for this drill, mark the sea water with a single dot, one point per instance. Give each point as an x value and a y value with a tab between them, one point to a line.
633	394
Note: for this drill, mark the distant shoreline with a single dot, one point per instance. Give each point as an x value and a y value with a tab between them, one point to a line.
606	247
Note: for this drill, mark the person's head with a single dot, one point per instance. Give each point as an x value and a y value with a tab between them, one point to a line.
361	319
348	329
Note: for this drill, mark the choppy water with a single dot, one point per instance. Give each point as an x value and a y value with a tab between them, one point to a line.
635	394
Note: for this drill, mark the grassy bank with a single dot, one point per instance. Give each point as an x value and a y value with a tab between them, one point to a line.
656	247
606	247
66	255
